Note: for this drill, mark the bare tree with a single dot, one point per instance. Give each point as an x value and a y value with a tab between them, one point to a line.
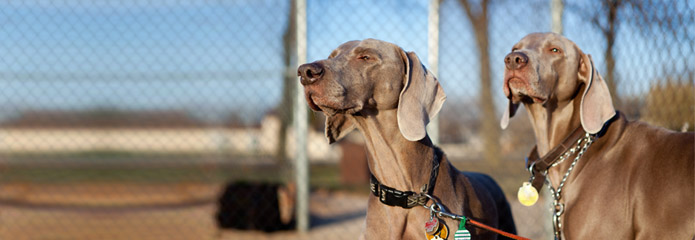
609	28
477	12
647	15
606	19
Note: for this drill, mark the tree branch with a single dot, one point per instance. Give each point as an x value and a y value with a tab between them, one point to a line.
467	7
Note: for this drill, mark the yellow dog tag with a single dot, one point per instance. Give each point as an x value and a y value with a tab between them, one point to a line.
438	235
527	194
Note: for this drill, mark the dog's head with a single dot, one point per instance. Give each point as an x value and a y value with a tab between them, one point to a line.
371	75
547	67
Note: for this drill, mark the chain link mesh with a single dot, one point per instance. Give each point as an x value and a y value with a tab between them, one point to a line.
172	119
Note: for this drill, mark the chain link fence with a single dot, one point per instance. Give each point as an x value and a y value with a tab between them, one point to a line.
173	120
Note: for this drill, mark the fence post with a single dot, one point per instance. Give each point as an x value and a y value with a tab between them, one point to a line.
301	125
556	8
433	59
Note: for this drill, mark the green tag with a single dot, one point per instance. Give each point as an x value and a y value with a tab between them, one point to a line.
462	233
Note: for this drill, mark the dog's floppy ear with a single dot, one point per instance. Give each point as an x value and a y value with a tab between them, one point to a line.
420	100
596	106
337	126
508	113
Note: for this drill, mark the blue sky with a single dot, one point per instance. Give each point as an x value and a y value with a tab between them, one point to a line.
217	57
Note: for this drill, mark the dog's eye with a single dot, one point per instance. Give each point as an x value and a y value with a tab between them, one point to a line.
364	57
555	50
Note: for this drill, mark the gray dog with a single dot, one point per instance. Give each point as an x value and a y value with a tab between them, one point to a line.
390	97
627	179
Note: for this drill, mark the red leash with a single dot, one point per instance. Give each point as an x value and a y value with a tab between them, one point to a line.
500	232
436	207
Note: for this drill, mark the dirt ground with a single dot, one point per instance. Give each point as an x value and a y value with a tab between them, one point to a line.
107	211
175	211
341	216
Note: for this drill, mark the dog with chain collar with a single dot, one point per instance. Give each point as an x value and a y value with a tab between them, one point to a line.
625	179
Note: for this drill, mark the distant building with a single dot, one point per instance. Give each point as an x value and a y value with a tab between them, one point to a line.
149	132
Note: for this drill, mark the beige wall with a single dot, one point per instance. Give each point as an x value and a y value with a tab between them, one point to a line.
159	140
245	141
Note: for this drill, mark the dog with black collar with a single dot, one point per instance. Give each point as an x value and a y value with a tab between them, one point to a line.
390	97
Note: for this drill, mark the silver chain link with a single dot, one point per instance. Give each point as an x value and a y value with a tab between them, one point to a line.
569	152
558	207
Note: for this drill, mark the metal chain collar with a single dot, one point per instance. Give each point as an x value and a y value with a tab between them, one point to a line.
558	207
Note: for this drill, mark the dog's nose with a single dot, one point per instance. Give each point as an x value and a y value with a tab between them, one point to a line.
310	73
515	60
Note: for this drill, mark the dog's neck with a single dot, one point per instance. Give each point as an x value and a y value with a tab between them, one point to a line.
552	122
394	161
